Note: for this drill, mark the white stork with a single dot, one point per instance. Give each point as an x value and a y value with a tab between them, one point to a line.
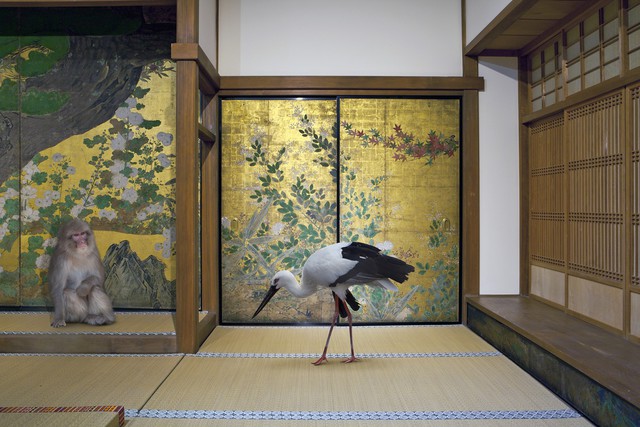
337	267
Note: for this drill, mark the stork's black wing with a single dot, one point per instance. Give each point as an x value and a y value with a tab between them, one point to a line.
372	265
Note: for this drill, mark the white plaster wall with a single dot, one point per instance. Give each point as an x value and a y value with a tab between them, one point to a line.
479	13
340	37
499	186
207	26
395	38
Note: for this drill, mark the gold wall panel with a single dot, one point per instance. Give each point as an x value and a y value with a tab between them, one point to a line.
296	177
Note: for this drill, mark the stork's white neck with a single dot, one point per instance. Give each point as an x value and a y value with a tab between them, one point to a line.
300	290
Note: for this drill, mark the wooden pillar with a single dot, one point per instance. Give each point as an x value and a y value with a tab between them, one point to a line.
187	176
470	188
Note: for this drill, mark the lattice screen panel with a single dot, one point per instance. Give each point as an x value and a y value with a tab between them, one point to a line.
596	175
635	186
547	174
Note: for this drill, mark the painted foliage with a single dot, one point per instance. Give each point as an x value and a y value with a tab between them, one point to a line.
297	176
87	105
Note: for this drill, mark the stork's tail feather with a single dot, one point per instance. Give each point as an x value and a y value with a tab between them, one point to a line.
351	300
393	268
353	303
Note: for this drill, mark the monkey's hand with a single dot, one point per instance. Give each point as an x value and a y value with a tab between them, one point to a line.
58	323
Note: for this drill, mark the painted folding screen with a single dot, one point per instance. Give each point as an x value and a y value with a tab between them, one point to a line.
87	118
301	174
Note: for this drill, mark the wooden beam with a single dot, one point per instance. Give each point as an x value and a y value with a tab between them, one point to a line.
209	77
300	83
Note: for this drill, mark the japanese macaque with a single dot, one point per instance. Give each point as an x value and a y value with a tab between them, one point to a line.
76	278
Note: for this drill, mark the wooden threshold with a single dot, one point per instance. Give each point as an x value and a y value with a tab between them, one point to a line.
88	344
602	358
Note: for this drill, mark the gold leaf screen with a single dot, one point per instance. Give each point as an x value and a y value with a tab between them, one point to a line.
301	174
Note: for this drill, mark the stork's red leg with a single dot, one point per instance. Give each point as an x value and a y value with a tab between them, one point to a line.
353	357
323	358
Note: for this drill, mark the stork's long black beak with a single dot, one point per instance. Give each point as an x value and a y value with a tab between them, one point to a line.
270	293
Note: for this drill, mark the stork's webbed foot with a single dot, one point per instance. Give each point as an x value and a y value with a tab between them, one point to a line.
350	360
322	359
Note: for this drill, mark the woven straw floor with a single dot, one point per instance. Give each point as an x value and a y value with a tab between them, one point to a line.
263	376
126	322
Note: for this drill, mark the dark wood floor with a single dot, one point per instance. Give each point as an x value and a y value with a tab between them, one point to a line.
565	349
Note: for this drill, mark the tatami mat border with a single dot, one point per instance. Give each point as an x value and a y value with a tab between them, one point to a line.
551	414
64	409
359	355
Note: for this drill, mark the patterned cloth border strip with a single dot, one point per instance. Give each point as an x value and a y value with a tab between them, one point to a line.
551	414
66	409
360	355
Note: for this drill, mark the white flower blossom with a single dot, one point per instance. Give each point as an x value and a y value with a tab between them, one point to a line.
119	181
165	138
226	223
385	246
136	119
28	192
10	193
277	228
29	215
107	214
4	230
43	202
42	262
28	171
141	216
57	157
122	112
164	160
130	195
131	102
118	166
50	242
75	211
154	208
118	143
71	170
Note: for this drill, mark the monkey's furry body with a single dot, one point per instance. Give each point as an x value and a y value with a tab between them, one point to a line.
76	278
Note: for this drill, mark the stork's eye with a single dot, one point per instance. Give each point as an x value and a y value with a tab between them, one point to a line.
276	280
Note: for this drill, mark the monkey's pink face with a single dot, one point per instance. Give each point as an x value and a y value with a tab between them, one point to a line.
80	239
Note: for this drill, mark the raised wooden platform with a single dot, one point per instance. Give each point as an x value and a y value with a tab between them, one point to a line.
594	370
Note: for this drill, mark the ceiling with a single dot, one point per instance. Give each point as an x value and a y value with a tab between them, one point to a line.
524	23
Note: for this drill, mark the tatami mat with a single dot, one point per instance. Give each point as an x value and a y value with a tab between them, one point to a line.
367	339
126	322
82	380
263	376
422	375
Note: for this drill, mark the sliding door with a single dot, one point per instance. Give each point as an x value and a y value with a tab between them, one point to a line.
301	174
